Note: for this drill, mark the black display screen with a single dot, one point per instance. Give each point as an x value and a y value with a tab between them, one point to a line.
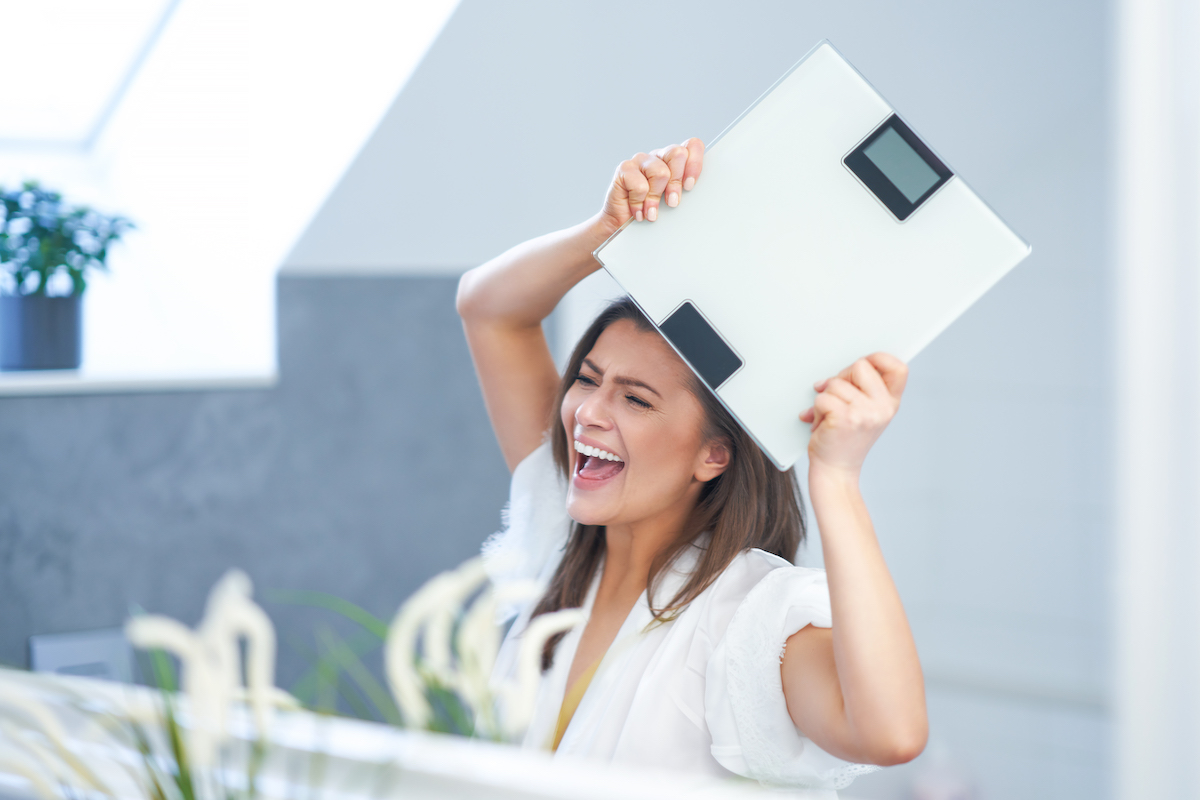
897	167
704	348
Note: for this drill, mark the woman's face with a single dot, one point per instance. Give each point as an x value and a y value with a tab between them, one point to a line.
632	400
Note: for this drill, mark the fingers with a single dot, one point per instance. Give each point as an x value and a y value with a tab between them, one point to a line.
843	390
825	405
695	162
822	406
868	379
853	408
859	385
631	187
892	371
657	175
675	157
844	375
647	179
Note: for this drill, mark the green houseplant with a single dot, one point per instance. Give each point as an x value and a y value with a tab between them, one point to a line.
47	248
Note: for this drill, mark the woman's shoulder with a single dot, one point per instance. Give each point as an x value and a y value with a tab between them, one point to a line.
761	578
744	706
750	567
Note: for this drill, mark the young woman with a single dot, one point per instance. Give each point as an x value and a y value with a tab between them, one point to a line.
638	498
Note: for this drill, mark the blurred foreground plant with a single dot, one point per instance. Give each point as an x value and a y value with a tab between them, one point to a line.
181	739
458	647
439	653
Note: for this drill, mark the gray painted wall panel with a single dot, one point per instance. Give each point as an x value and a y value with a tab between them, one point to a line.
368	468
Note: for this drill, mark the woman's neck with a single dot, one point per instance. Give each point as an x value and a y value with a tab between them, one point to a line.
630	550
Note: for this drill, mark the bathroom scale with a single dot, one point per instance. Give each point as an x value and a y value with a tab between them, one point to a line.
821	230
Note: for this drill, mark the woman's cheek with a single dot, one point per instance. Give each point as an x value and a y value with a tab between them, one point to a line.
567	412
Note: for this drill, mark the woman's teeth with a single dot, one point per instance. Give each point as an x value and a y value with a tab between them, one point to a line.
594	452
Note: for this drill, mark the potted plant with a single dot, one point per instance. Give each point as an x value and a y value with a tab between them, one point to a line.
46	250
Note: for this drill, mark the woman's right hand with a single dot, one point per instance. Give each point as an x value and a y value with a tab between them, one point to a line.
644	181
504	301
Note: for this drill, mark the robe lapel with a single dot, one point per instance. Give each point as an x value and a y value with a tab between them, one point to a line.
632	632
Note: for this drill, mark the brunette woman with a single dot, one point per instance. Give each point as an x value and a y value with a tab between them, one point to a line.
637	498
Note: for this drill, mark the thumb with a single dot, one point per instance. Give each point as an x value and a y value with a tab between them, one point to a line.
892	370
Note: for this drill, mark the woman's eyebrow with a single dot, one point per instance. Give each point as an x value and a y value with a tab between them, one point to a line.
622	381
635	382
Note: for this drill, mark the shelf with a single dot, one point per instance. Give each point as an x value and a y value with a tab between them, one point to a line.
55	382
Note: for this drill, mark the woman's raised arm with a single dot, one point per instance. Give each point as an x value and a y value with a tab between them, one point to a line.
503	302
856	689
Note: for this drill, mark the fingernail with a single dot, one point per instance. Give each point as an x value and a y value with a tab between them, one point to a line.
673	199
638	215
688	183
652	213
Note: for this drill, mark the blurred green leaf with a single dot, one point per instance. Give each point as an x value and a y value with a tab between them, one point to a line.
332	603
450	713
372	689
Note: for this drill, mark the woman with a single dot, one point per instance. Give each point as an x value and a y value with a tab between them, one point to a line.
704	649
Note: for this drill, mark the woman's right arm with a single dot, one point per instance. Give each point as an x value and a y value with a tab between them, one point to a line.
503	302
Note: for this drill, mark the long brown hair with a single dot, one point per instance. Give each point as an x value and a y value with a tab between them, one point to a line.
750	504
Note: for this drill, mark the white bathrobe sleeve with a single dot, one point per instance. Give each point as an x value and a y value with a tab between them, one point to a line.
752	733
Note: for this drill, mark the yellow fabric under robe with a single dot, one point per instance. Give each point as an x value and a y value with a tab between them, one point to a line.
571	702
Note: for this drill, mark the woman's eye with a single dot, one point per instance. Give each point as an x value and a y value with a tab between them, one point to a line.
637	401
585	380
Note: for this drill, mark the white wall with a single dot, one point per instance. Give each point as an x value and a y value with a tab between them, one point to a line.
1157	303
991	492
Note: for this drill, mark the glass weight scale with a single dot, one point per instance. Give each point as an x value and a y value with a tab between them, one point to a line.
823	229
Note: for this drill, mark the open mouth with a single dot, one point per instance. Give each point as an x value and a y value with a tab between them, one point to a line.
594	464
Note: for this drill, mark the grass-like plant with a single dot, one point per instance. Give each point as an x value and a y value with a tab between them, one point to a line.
337	670
439	651
42	237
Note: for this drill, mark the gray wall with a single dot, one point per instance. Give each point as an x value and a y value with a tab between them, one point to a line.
368	468
990	493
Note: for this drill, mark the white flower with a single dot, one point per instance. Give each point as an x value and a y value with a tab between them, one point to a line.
13	763
210	661
519	695
41	720
429	615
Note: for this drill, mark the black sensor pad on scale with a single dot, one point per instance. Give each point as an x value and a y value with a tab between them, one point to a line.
699	343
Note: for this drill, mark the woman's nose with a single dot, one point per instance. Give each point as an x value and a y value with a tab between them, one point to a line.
593	412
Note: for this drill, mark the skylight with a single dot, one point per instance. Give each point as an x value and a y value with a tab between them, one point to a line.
67	63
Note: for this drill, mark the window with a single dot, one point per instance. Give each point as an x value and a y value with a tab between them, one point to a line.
219	127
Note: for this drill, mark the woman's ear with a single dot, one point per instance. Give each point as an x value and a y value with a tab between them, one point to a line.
716	460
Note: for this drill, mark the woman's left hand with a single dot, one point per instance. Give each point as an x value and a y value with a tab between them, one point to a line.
851	411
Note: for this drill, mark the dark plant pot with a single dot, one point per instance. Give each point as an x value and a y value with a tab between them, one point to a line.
39	332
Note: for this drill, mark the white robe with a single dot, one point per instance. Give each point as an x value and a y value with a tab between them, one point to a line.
702	693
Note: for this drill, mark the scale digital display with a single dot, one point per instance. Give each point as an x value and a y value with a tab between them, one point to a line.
897	167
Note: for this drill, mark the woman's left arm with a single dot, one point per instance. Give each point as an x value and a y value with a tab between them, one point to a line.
855	689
